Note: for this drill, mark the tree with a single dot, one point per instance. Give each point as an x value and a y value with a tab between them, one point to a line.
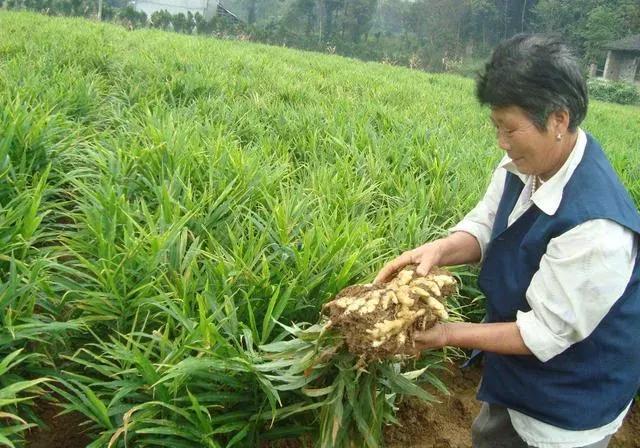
601	26
391	15
201	24
483	21
251	11
357	17
588	24
161	19
179	22
329	9
302	15
131	17
628	13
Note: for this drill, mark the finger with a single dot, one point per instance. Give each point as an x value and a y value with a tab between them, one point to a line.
385	273
390	268
424	267
426	262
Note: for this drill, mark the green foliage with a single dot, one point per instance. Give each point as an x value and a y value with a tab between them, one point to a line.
588	24
602	26
165	199
614	92
431	35
161	19
174	387
131	18
352	403
32	315
13	397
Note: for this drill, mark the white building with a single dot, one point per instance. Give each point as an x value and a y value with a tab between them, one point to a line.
207	8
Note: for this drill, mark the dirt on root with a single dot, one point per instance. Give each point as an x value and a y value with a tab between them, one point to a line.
63	431
379	321
447	424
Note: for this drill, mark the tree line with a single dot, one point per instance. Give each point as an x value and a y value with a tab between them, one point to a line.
433	35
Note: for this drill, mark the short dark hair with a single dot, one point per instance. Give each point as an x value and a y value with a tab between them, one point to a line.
538	73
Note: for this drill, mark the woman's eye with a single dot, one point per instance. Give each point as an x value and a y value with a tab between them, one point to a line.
503	131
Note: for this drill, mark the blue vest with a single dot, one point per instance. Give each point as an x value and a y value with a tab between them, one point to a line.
589	384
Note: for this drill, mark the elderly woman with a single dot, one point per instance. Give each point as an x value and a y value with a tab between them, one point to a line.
557	236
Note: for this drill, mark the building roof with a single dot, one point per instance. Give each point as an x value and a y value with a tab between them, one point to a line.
224	12
629	43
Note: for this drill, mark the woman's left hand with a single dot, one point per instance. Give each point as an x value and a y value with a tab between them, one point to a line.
433	338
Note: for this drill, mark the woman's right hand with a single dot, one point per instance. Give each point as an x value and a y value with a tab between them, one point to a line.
426	256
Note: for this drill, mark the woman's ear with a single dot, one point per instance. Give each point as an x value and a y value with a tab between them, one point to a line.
558	122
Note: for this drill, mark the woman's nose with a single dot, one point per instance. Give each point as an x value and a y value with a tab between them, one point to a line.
502	141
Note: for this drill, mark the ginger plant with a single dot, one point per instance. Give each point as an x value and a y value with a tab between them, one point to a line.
352	365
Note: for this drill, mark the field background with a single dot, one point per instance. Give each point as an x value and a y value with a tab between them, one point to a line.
164	199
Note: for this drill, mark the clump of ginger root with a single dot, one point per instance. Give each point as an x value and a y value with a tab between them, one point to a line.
379	320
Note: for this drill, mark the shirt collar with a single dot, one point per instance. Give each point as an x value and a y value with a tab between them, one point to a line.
549	195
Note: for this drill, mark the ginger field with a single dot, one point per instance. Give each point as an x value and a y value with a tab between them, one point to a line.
170	204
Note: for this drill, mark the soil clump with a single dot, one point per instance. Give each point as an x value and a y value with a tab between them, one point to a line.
379	321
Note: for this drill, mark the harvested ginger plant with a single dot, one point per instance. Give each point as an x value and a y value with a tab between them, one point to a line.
378	321
345	367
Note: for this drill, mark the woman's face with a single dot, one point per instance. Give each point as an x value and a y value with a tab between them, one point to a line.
533	151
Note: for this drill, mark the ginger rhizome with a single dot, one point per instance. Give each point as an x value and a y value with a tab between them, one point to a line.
380	320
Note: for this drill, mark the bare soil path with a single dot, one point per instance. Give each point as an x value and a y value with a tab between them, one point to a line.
447	424
61	432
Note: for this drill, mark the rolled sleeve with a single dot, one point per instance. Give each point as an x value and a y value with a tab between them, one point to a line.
543	343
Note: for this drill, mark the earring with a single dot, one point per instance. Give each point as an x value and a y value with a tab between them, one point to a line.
559	137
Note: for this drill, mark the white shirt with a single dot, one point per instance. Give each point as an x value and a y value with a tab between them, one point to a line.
595	258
